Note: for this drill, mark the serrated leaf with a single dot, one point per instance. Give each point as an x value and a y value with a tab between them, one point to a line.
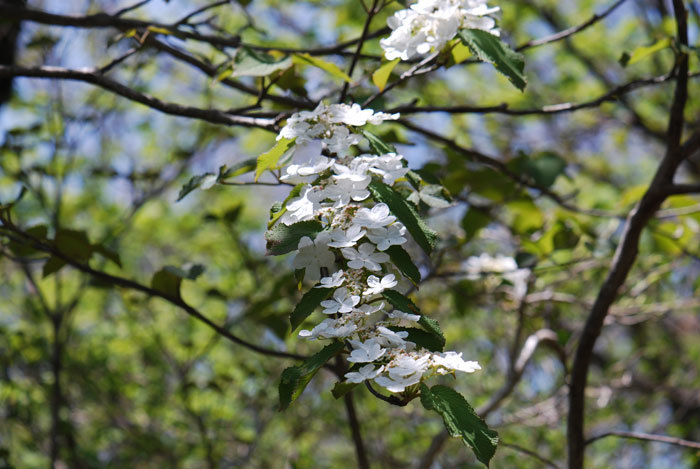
422	338
460	420
269	159
308	303
432	327
379	146
424	235
491	49
381	75
400	302
252	63
282	238
294	379
401	259
328	67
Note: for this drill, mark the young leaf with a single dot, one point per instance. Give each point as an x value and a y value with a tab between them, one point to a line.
381	75
252	63
282	238
460	420
401	259
329	67
194	183
308	303
379	146
489	48
424	235
341	388
641	53
269	159
294	379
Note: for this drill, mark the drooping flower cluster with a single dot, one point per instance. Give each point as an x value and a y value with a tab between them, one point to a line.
430	24
350	255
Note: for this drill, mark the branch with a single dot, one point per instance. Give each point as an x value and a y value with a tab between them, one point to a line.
560	108
92	76
626	253
680	189
362	460
132	285
363	37
570	31
528	452
501	167
646	437
104	20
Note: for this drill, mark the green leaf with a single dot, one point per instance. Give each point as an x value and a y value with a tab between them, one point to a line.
252	63
379	146
329	67
194	183
641	53
433	328
341	388
168	279
401	259
460	420
108	253
422	338
308	303
459	53
294	379
237	169
282	238
400	302
269	159
38	232
53	265
473	221
74	244
278	209
424	235
489	48
381	75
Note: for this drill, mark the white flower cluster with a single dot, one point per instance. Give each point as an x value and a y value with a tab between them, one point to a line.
351	249
430	24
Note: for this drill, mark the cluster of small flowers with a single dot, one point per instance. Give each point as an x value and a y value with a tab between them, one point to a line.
430	24
351	249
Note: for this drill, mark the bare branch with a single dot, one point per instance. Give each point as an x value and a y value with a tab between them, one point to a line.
93	76
646	437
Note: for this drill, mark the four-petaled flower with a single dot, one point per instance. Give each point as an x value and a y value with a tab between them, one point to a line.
377	286
343	302
389	236
365	257
363	374
333	281
376	217
346	238
365	352
314	254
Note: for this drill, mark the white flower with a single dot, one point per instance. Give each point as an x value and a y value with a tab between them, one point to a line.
368	309
405	365
365	257
343	191
356	172
389	166
333	281
430	24
346	238
329	329
363	374
365	352
401	316
312	255
342	302
303	207
376	217
450	361
391	339
389	236
397	384
356	116
377	286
